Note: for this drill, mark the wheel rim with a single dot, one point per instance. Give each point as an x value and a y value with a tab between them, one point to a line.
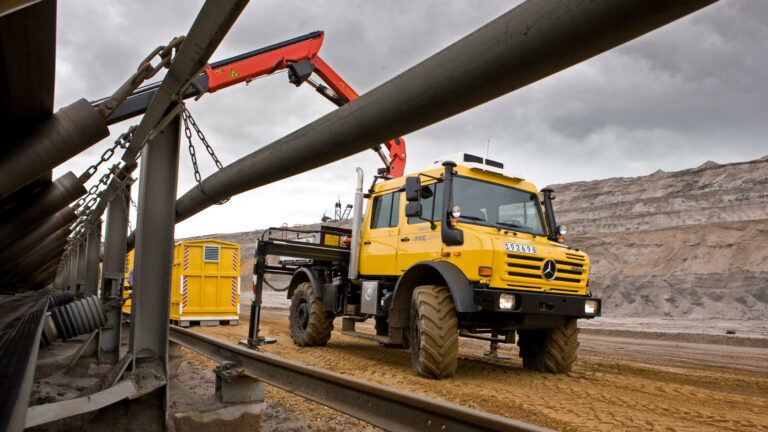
302	316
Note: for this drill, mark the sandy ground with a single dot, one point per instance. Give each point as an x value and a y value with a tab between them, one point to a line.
618	382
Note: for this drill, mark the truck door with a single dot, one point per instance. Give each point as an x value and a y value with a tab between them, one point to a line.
378	250
417	241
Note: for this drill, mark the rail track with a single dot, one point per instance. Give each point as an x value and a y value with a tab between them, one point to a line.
376	404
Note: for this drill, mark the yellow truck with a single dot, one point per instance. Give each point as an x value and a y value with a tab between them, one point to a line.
459	250
205	283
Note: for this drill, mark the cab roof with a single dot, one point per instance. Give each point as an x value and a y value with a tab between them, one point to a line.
461	170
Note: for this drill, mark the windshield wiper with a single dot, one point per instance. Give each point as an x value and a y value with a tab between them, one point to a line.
500	225
475	218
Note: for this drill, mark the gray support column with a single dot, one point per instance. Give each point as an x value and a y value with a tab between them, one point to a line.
80	266
150	304
92	259
72	269
113	268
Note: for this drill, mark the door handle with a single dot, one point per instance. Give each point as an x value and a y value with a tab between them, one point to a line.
405	239
366	242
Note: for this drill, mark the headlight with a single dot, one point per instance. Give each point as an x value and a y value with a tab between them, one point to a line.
562	230
591	307
455	211
507	301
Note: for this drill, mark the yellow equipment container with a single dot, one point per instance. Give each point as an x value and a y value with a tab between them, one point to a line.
205	282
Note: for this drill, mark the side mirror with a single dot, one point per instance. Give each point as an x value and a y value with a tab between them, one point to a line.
412	187
413	209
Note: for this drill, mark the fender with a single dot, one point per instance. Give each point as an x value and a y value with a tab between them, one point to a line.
425	273
306	275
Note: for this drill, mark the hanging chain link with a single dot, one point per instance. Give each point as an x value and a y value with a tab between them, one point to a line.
122	141
144	71
187	118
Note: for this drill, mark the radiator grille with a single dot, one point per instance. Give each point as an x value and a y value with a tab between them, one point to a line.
527	268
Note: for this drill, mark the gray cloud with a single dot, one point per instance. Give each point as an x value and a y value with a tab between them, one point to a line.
692	91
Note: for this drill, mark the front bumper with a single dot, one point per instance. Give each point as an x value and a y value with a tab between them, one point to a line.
536	303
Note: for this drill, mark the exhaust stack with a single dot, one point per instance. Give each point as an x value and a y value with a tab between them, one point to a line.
357	221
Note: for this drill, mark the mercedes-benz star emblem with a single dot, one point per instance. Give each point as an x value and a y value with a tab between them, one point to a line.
548	269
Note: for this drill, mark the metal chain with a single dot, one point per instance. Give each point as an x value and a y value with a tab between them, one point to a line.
187	118
144	71
86	203
122	141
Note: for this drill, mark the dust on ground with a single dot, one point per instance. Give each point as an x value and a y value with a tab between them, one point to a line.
617	383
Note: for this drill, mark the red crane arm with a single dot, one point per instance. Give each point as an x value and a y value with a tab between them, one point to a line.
299	55
263	62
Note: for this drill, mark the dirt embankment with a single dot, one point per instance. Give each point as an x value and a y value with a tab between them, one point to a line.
689	243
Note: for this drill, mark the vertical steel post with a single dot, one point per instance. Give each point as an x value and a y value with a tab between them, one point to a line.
150	302
92	255
113	268
80	275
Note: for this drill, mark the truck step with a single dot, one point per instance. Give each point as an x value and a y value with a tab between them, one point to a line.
368	336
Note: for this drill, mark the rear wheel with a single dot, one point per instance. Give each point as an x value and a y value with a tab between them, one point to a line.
434	332
310	324
551	350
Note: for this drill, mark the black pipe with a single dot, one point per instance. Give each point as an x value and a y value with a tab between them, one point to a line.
22	217
526	44
37	234
68	132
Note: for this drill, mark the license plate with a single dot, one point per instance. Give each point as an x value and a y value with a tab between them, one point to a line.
521	248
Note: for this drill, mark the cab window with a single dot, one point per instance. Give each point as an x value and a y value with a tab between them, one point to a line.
431	208
385	210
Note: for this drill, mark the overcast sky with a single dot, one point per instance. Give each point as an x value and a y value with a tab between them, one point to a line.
692	91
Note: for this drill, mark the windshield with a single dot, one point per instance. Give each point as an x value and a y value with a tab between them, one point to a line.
491	204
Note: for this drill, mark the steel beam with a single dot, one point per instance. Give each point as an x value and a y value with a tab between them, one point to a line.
113	267
72	282
211	25
36	235
530	42
22	217
68	132
82	260
92	260
153	260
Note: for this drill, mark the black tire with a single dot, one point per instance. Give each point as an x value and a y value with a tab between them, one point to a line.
551	350
310	324
434	332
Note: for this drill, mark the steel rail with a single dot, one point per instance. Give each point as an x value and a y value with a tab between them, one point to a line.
376	404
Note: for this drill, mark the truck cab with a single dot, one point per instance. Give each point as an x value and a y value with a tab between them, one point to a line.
461	249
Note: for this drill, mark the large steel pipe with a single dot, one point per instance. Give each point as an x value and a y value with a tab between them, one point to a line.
68	132
27	270
18	220
42	230
526	44
32	254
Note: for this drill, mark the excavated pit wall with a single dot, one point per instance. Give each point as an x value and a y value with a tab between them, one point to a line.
684	244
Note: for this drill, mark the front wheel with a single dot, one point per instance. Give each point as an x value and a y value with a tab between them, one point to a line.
310	324
434	332
551	350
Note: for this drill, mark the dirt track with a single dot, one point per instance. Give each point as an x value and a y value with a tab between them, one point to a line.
617	383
